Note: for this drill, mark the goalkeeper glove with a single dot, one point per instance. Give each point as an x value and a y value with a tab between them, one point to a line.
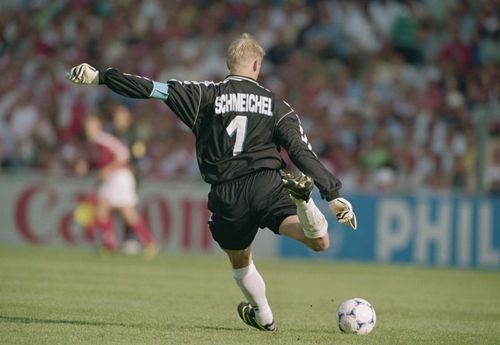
83	74
342	209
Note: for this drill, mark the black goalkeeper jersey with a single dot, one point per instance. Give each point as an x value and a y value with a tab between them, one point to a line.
239	126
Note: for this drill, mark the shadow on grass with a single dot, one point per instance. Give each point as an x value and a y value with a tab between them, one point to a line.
20	319
29	320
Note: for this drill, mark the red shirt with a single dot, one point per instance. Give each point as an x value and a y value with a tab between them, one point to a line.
106	149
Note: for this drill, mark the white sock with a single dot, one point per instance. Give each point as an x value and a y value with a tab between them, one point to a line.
253	287
312	220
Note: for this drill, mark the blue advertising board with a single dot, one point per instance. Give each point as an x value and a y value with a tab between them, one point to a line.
428	230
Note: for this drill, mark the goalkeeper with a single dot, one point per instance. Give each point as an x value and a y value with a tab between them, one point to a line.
240	127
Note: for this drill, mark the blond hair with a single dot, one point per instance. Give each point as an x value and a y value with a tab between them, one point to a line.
243	50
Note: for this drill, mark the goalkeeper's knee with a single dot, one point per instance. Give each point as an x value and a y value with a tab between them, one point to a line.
319	244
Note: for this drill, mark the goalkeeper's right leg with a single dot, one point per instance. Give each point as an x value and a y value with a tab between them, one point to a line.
291	227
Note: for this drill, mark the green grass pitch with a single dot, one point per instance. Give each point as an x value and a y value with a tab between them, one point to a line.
72	296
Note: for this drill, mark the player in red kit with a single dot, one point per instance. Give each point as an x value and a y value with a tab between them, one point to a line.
117	189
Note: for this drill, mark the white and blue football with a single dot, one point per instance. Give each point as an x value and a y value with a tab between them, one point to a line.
357	316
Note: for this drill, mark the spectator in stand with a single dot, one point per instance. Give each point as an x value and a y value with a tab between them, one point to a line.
418	71
492	173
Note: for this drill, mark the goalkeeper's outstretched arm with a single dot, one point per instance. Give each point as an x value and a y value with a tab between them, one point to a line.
185	99
127	85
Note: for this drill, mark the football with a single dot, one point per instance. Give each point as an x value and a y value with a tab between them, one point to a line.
357	316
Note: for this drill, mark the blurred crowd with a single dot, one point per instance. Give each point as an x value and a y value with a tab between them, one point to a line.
392	94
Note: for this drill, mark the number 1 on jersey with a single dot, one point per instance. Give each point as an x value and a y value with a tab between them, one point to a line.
238	125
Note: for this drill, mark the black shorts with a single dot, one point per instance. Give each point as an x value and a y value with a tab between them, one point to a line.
242	206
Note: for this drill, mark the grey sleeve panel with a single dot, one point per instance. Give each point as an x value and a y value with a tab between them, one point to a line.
160	91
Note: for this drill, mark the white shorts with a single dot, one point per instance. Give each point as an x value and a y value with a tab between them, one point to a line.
119	189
